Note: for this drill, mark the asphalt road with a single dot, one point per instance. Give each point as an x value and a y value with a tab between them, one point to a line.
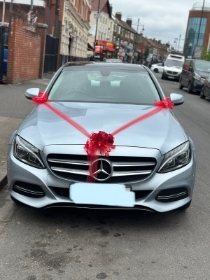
86	244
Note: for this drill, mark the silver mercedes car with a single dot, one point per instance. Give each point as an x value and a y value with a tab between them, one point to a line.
102	136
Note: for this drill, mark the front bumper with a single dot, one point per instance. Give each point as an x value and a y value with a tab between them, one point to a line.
56	191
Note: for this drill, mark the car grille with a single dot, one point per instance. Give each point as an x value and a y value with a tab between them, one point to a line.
172	72
125	169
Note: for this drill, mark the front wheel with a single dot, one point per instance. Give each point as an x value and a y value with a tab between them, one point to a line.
156	70
190	88
202	95
162	77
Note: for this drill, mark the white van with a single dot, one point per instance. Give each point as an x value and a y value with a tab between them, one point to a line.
173	67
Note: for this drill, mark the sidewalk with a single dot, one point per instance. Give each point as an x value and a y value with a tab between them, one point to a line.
14	107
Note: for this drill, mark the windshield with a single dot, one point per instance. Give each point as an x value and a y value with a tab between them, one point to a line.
108	87
203	66
173	63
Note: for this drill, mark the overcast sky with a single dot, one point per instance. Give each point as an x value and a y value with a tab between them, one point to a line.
164	20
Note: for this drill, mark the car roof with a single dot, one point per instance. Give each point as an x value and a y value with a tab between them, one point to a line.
103	65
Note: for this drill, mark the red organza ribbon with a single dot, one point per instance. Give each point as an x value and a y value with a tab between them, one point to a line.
102	142
166	103
41	98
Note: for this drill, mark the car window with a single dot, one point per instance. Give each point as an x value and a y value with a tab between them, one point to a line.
173	63
111	87
203	66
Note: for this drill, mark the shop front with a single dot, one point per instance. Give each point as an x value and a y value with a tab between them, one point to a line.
104	49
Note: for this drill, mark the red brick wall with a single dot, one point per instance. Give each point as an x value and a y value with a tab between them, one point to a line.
23	53
26	49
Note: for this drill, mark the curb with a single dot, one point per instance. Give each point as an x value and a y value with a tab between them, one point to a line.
3	176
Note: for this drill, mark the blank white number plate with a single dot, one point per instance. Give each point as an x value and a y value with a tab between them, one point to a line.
102	194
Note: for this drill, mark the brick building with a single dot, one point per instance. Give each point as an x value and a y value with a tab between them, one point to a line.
26	44
101	33
41	38
126	38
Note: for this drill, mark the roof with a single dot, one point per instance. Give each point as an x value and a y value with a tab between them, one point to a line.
104	65
124	25
94	5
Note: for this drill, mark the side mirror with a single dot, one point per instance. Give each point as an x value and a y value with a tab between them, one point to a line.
32	92
177	99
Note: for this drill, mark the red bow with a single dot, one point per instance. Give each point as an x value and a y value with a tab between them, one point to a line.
41	98
102	142
166	103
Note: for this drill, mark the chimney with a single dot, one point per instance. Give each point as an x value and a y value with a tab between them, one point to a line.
129	21
111	8
118	15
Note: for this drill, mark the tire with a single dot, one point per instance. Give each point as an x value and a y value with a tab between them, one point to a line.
180	85
202	95
162	77
185	207
190	88
156	70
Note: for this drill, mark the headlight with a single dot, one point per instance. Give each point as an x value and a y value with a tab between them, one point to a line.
27	153
202	80
176	158
196	76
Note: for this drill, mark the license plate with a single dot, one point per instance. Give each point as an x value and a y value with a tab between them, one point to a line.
171	77
102	194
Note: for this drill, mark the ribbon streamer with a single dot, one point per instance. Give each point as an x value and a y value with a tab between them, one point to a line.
102	142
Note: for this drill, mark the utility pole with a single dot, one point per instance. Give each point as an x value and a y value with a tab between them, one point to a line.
179	41
97	20
3	13
138	25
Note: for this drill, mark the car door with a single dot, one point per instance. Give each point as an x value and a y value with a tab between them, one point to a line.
160	67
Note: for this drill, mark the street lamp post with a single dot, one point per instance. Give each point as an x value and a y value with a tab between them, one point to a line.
97	20
175	42
75	50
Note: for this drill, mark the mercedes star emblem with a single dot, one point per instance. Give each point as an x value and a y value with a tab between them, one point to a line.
101	169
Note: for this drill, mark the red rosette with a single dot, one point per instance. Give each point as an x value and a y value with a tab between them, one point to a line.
102	142
41	98
166	103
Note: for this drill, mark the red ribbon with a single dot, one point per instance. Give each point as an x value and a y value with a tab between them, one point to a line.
102	142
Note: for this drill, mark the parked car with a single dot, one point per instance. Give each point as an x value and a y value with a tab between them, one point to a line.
205	91
173	67
193	75
157	68
102	136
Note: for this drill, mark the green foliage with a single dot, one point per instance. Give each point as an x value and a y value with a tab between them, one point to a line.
146	53
205	55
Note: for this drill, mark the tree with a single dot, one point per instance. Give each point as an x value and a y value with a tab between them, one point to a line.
146	53
205	55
